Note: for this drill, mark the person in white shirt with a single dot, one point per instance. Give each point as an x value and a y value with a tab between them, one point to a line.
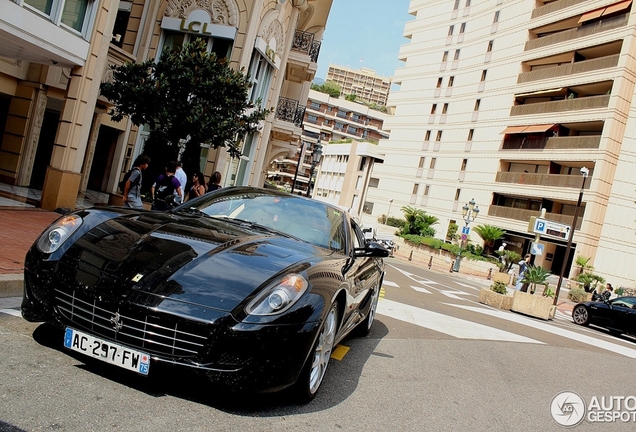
183	179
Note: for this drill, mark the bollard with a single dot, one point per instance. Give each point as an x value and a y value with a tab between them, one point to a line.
411	256
430	262
489	273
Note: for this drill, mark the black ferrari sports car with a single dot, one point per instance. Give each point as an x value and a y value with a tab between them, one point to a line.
617	315
252	287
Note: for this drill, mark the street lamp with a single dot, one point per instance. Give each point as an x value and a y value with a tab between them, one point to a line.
316	155
469	213
298	163
584	172
388	213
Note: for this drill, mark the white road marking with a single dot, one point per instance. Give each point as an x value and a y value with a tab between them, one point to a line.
391	284
11	312
467	286
420	289
456	327
599	343
453	294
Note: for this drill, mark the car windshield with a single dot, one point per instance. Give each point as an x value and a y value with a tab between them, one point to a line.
308	220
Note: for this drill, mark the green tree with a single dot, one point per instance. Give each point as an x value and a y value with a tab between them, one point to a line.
351	97
535	275
329	87
418	222
451	234
188	97
489	234
583	263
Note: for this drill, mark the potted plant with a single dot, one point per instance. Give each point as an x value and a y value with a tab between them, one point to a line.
529	304
496	296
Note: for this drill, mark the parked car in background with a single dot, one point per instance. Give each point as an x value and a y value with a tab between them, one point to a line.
387	242
617	315
251	287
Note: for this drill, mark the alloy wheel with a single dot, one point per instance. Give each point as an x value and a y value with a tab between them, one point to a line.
322	353
580	315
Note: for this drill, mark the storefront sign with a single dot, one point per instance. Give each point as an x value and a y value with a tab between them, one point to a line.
198	22
268	50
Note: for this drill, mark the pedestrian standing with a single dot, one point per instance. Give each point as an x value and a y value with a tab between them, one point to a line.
132	187
164	188
215	182
183	179
523	267
198	186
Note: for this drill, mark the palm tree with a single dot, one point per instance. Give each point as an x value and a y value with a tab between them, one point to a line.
535	275
418	222
489	234
583	263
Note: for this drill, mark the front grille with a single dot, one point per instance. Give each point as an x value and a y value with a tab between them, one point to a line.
159	333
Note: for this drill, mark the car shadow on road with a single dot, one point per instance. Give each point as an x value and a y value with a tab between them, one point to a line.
340	381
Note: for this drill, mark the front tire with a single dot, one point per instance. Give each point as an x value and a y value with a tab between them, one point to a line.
315	367
580	315
365	326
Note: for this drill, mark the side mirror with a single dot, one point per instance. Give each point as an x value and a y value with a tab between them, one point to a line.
371	249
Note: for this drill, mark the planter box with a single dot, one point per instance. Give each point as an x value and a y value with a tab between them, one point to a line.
533	305
501	277
491	298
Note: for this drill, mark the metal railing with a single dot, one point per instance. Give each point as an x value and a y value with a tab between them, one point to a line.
569	69
290	110
575	104
578	32
304	42
524	215
552	143
554	6
556	180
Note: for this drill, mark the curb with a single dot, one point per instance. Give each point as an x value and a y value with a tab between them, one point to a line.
11	285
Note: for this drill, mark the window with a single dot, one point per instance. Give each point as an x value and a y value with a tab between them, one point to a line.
367	208
489	49
451	81
351	130
477	103
426	190
445	108
74	14
315	105
496	19
416	188
427	136
439	82
450	30
221	47
462	28
445	56
483	75
456	54
457	192
374	182
456	6
432	164
421	164
439	136
464	162
467	3
470	134
433	108
121	23
312	119
261	72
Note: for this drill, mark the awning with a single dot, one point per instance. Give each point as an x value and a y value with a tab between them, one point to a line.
540	92
513	129
617	7
587	16
538	128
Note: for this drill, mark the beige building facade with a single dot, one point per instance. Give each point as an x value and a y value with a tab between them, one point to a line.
56	133
365	83
504	102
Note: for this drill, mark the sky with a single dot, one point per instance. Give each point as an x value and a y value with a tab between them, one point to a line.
364	33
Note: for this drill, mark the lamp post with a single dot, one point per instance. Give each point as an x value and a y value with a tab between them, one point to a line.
316	155
469	213
300	161
584	172
388	212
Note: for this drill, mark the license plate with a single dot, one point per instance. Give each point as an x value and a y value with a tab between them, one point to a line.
107	351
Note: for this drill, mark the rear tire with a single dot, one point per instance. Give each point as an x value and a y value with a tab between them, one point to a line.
315	367
580	315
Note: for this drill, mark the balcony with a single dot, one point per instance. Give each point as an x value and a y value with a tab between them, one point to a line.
291	111
554	6
517	142
578	32
555	180
524	215
569	69
304	42
575	104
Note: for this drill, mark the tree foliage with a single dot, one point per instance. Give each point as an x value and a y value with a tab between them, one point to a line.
189	96
329	87
418	222
489	234
535	275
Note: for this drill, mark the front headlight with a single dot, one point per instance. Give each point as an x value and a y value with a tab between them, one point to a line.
279	296
58	233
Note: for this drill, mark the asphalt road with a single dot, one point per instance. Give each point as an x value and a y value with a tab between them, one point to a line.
435	360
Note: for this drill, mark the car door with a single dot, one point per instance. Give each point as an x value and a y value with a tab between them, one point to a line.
364	270
624	309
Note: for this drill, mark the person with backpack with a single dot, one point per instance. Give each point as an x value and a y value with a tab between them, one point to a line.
131	184
164	187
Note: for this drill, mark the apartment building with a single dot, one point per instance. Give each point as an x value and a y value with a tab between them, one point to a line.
56	133
364	83
504	102
328	120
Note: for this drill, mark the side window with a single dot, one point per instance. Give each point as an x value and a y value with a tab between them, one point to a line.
358	236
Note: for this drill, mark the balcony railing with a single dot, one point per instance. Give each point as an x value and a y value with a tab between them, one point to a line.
554	6
569	69
290	110
556	180
552	143
304	42
524	215
561	105
578	32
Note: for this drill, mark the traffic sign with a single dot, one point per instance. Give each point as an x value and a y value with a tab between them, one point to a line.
537	248
552	229
465	230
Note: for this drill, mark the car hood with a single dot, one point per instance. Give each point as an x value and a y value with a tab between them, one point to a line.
164	258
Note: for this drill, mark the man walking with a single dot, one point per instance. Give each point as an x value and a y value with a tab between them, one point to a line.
183	179
132	187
